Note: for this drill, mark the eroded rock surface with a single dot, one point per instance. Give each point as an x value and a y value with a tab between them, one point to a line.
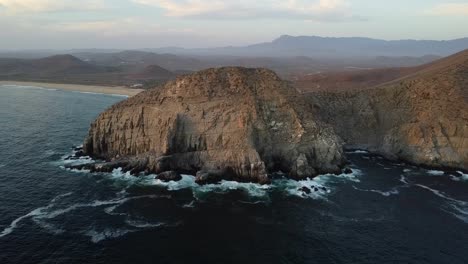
422	118
233	123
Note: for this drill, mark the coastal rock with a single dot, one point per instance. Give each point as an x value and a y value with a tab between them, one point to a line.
422	118
227	123
168	176
305	190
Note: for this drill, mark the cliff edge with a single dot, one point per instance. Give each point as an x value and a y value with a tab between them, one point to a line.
227	123
421	118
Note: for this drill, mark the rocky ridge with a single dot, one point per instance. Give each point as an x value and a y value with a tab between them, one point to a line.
421	118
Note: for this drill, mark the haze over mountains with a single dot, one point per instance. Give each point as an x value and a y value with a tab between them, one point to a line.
301	59
321	47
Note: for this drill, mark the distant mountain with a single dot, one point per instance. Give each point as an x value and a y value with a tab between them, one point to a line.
54	65
70	69
324	47
152	72
141	59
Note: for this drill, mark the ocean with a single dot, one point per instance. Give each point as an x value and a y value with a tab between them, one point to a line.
384	212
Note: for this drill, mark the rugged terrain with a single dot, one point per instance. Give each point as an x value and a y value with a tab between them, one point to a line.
226	123
421	118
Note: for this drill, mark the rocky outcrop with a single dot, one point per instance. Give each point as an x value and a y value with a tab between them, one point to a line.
227	123
422	118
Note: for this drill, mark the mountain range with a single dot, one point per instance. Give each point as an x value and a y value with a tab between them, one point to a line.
325	47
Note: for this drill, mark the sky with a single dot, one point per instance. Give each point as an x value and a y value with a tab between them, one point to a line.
74	24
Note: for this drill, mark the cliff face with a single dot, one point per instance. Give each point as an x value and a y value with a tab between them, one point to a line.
234	123
422	118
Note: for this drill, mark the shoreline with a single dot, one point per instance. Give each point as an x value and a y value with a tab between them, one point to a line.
111	90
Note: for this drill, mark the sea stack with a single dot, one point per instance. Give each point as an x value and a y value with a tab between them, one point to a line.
227	123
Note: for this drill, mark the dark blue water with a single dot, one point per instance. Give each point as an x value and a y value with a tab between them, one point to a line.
382	213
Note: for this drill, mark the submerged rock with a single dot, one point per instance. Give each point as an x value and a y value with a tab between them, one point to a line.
227	123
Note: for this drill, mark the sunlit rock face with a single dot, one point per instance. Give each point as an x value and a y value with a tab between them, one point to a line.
226	123
422	118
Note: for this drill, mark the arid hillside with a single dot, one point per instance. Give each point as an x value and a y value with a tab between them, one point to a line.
422	118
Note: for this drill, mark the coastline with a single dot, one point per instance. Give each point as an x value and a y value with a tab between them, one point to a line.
116	90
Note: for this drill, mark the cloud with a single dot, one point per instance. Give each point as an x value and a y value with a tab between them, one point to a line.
246	9
19	6
113	27
449	9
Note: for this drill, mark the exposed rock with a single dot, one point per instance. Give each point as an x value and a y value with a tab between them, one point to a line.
347	171
305	190
244	121
168	176
422	118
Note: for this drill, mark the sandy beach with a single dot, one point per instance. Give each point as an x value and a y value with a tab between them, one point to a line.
120	90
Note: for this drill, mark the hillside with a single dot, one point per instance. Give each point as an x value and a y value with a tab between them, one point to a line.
55	65
152	72
70	69
421	118
351	79
140	59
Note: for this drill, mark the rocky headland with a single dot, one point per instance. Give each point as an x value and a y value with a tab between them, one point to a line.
421	118
247	124
227	123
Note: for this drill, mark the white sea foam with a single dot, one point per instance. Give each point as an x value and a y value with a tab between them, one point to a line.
28	87
290	187
462	177
460	212
459	207
186	182
441	194
435	172
189	205
393	191
253	189
51	228
108	233
358	152
403	179
117	95
36	212
42	214
143	224
79	161
14	224
97	203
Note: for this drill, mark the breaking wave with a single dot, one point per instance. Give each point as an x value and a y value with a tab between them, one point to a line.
461	177
319	186
435	172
